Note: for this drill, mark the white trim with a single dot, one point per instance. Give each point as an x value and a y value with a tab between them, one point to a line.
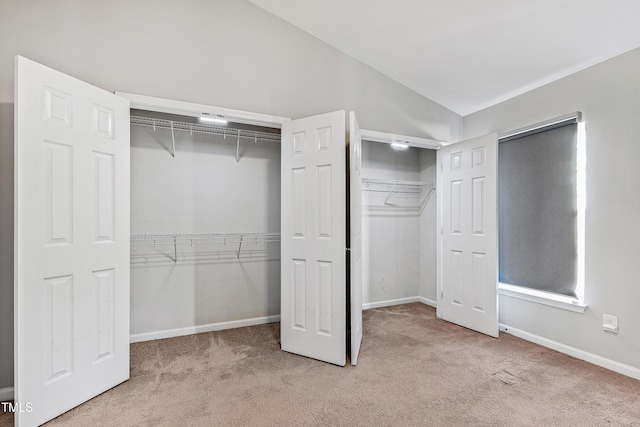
427	301
612	365
162	105
581	206
564	302
411	141
189	330
439	232
389	303
398	301
6	394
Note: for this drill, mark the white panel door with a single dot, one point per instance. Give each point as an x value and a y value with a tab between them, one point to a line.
71	241
467	251
313	266
355	222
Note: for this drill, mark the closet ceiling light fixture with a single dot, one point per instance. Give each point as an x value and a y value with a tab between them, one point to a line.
399	145
213	120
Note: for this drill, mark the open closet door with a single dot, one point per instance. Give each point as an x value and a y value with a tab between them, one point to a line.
467	250
355	243
71	242
313	266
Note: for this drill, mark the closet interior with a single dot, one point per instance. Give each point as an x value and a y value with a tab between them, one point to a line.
399	223
205	224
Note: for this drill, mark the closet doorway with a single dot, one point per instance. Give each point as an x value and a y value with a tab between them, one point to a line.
205	224
313	269
399	219
401	227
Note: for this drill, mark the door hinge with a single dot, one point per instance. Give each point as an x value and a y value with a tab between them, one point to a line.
441	295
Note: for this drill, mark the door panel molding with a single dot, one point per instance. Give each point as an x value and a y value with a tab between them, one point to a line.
71	274
467	257
313	242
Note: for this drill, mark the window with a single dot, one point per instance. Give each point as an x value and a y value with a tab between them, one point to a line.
541	208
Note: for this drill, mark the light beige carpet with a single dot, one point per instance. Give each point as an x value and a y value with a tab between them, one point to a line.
414	370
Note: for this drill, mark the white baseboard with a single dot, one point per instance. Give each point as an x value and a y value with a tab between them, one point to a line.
189	330
6	394
612	365
389	303
427	301
178	332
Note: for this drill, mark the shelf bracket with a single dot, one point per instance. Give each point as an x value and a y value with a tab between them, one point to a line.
173	140
431	190
386	201
240	246
175	249
238	149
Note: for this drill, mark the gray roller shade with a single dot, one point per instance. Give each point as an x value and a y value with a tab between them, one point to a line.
537	210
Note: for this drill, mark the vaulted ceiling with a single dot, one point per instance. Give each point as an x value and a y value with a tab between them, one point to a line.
470	54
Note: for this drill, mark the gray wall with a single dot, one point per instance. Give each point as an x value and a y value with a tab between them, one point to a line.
227	53
608	95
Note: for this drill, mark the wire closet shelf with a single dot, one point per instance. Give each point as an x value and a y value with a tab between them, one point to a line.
182	243
223	131
406	194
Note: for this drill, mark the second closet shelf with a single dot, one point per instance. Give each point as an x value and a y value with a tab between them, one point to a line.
398	186
406	194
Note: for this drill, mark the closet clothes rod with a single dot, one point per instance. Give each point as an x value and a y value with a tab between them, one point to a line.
223	131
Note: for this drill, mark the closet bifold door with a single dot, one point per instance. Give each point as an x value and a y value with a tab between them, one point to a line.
467	242
355	236
71	307
313	242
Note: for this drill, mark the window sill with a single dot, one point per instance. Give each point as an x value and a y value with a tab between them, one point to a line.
576	305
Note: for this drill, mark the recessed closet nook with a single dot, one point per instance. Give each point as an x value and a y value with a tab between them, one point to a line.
206	217
399	223
205	224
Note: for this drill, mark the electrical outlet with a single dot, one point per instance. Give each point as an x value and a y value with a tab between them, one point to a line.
610	323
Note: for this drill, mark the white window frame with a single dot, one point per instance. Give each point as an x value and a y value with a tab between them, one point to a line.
576	304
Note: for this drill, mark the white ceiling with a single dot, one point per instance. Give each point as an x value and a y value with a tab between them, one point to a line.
470	54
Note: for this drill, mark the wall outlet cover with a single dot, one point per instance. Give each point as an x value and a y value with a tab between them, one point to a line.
610	323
